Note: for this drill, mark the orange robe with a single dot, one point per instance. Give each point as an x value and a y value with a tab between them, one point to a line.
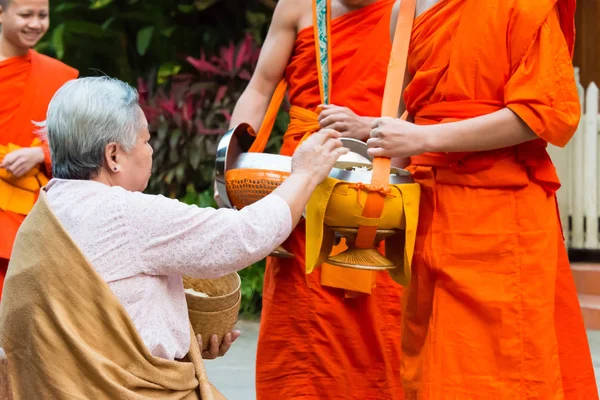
314	342
27	86
492	310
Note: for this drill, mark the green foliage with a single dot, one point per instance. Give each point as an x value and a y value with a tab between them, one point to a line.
189	112
252	286
129	38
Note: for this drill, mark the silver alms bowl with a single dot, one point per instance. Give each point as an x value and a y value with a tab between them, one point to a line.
232	153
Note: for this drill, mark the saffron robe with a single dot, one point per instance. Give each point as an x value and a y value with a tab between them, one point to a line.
28	84
66	335
314	342
492	310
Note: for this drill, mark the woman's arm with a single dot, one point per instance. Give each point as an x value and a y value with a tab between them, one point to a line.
173	238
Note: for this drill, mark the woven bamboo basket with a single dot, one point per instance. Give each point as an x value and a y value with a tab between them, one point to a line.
217	313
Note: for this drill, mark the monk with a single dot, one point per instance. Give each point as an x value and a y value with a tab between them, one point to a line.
492	310
321	336
28	81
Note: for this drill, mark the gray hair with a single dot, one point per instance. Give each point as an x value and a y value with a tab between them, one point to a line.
84	116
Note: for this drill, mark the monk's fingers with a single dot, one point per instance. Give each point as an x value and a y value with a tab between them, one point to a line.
377	152
374	142
14	168
382	122
376	133
377	122
19	172
8	160
340	126
20	167
324	111
329	120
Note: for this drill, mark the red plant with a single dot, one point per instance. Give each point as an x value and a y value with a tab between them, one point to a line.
187	114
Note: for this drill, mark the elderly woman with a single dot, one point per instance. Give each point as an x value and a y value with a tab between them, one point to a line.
94	305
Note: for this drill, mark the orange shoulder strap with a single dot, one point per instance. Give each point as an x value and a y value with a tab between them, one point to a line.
264	133
391	102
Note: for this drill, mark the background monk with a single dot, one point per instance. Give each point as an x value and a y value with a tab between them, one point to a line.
318	340
492	310
28	81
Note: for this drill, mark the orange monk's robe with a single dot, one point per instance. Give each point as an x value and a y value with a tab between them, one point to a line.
492	311
27	85
314	342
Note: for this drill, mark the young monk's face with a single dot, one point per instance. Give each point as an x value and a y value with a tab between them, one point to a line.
24	22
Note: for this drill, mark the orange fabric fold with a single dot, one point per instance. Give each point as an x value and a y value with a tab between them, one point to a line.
492	310
28	84
354	349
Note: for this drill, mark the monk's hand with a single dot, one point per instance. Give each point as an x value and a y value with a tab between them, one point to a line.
214	348
315	157
345	121
19	162
396	138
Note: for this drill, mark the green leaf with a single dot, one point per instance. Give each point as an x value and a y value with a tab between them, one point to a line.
195	159
67	6
174	156
256	19
202	5
85	28
180	172
186	8
174	139
107	23
167	32
166	71
169	177
162	131
144	37
98	4
58	41
43	47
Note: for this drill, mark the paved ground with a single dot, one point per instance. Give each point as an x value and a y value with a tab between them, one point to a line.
234	373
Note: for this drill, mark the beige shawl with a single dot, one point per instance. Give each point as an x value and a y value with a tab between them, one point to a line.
66	335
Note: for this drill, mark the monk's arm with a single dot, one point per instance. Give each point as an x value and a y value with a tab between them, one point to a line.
274	56
500	129
540	98
541	101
